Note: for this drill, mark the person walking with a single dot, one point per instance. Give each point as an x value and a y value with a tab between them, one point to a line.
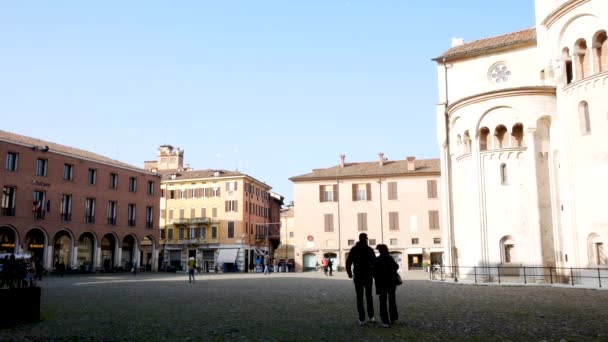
191	268
385	274
361	258
330	264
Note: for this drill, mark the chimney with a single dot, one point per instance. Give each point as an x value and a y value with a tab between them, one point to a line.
342	160
381	158
457	42
411	163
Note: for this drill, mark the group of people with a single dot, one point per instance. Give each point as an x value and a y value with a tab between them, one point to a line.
364	267
19	273
328	265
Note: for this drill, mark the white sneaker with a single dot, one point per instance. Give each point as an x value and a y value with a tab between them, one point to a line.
372	320
384	325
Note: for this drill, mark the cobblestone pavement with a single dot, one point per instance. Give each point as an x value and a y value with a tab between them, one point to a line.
303	307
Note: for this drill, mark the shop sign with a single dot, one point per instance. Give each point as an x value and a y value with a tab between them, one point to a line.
7	245
36	245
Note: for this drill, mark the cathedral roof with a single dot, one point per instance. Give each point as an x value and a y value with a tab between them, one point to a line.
479	46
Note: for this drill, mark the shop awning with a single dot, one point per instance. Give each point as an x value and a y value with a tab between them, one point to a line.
227	256
259	252
414	250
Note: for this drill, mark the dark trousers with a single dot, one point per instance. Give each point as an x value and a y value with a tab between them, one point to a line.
390	315
191	275
364	283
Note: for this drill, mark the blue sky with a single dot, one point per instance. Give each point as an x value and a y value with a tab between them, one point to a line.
273	88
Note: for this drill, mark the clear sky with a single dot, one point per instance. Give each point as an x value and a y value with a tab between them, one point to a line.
273	88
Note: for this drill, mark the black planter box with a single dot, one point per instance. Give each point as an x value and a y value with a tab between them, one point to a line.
19	306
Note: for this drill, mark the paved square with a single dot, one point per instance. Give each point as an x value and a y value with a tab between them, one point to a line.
302	307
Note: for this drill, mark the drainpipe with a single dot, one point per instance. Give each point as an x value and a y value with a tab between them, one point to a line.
452	242
339	226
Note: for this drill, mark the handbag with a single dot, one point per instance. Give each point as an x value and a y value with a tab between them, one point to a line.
398	280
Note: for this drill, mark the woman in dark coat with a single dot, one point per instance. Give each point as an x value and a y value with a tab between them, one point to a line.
385	275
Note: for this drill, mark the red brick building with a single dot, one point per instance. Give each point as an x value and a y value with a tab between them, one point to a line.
65	205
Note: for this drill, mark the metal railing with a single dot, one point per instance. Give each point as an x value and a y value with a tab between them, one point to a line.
586	276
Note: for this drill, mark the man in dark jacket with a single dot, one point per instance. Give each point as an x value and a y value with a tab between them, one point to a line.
362	256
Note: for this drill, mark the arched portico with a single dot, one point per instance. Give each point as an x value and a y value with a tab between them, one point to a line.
87	244
9	239
129	252
149	254
63	249
35	244
108	252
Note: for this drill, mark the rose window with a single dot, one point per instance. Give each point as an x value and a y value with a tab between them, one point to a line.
499	73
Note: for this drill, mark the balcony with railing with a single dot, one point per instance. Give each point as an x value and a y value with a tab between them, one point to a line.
187	241
7	212
112	220
149	224
89	219
194	220
66	217
131	223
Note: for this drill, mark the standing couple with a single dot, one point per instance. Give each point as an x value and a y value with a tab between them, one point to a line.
366	267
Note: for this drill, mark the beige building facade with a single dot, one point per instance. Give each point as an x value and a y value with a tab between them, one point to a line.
396	202
224	219
523	134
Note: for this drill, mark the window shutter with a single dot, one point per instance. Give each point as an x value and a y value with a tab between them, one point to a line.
192	213
365	221
236	205
226	206
354	192
392	190
433	219
187	193
236	186
218	191
431	186
335	189
227	186
321	197
368	191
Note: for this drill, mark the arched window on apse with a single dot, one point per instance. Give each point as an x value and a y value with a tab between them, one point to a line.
467	142
581	59
507	250
503	174
567	65
595	250
583	115
600	52
517	135
499	136
484	132
459	144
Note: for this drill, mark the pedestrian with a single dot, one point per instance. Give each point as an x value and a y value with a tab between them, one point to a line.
330	265
30	278
191	268
361	258
385	274
324	264
265	267
39	269
134	269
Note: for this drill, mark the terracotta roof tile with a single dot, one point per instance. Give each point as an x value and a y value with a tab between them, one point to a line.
372	169
490	43
54	147
196	174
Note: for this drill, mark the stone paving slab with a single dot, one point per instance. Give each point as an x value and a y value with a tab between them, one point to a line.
302	307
